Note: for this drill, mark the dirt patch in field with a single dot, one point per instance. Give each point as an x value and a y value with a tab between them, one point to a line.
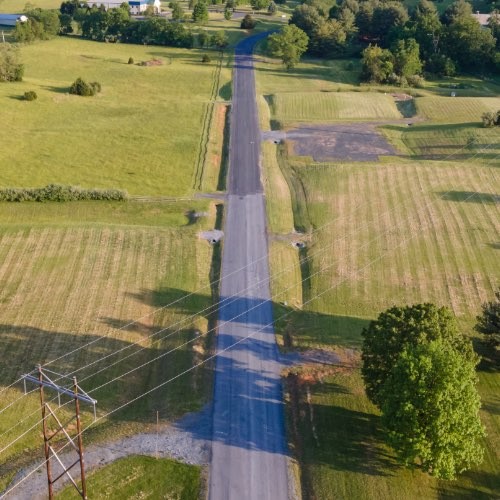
348	142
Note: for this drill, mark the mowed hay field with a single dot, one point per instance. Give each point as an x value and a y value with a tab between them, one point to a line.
391	234
142	133
108	277
328	106
455	109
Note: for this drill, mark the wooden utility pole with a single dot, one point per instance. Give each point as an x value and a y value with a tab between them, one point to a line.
76	393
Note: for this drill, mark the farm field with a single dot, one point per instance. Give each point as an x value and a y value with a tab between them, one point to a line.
398	231
455	109
121	138
69	281
17	6
142	477
436	243
326	106
441	141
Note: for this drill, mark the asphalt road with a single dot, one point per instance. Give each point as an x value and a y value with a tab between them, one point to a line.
249	453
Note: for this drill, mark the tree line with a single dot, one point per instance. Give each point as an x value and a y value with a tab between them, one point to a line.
395	43
112	25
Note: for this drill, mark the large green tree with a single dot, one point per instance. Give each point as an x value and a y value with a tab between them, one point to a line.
289	44
430	409
427	28
200	13
377	64
407	58
398	328
259	4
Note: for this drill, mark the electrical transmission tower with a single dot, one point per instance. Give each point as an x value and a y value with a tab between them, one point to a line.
61	430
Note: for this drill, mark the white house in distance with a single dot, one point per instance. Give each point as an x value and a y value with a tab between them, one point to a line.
136	6
482	19
12	19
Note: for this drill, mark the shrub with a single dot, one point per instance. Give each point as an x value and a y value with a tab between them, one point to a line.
83	88
416	81
96	87
248	22
30	95
56	192
130	60
205	58
490	119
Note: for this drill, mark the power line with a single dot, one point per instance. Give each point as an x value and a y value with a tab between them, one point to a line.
228	321
210	307
217	354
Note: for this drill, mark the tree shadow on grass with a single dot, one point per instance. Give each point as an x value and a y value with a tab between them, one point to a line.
57	90
485	486
346	440
470	197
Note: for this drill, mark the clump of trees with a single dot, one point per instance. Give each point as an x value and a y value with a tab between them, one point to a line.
219	40
177	11
248	22
41	25
420	372
83	88
11	69
418	41
491	119
116	25
56	192
259	4
289	45
200	12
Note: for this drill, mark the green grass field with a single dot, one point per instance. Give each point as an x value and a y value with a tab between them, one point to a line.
440	141
326	106
72	273
143	133
455	109
142	477
17	6
402	231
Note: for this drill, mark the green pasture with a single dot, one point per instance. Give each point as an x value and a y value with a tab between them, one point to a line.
143	133
442	141
141	477
455	109
332	106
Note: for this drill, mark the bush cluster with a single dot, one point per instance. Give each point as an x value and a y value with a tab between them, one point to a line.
248	22
83	88
56	192
491	119
31	95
